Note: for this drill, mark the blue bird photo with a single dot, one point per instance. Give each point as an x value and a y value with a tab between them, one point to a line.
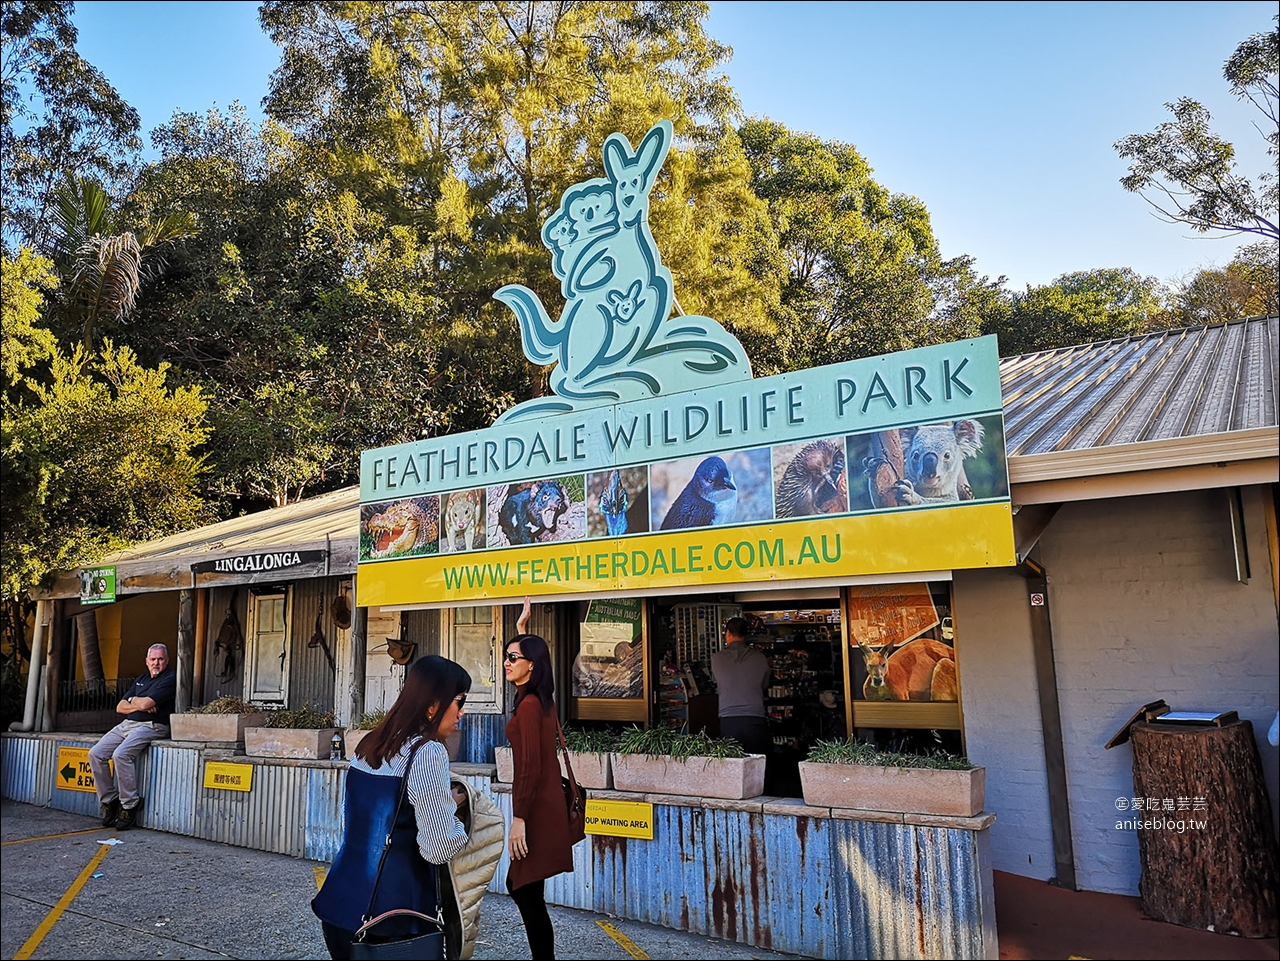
710	497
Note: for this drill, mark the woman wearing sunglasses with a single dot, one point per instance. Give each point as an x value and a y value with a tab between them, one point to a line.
539	838
404	753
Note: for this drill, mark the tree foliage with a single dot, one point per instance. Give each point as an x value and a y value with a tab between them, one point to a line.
1246	287
1188	173
58	116
97	451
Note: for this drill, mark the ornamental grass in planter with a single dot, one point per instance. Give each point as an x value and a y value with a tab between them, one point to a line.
853	774
305	732
663	760
360	729
588	753
225	719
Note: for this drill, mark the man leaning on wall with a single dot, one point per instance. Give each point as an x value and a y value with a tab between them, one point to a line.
146	710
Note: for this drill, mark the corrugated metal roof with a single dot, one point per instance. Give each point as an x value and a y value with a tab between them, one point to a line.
333	516
1174	384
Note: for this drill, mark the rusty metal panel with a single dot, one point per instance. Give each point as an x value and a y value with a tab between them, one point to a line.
270	817
481	733
799	885
311	678
322	830
169	788
19	762
904	891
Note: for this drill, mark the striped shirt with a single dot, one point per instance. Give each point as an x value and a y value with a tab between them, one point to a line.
440	834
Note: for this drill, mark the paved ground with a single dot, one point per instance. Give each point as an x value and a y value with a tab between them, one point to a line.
158	895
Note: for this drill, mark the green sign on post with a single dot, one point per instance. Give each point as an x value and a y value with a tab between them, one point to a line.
98	585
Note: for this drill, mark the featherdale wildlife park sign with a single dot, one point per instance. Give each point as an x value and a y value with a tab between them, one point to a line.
660	462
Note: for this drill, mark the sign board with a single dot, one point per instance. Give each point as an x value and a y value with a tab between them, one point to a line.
228	776
620	819
73	772
262	561
98	585
659	462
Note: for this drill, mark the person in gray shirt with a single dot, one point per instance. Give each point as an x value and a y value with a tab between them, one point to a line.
742	676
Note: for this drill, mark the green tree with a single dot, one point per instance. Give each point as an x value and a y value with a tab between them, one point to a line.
861	270
58	116
96	452
1188	173
467	121
1077	308
1246	287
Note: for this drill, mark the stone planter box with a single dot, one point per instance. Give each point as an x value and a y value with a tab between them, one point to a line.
288	742
506	764
913	790
591	770
212	727
350	738
732	777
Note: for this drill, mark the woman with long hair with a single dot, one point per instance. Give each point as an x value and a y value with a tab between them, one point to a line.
539	840
404	752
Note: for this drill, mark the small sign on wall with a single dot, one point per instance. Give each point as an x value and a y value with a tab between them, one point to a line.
98	585
228	776
1037	600
620	819
73	772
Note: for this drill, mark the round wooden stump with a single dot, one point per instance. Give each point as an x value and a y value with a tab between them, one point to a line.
1210	862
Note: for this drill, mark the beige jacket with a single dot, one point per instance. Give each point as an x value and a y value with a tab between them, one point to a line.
470	872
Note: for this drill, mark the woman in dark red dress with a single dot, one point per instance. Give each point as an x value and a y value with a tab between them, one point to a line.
539	839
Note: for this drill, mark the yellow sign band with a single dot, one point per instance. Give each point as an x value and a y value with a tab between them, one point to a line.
888	542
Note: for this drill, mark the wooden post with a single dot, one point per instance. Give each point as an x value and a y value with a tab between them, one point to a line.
202	643
359	646
186	650
1214	867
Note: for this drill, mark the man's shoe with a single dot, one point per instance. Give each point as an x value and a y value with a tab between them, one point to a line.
110	812
128	818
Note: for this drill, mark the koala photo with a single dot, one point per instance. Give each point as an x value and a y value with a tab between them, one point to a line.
939	463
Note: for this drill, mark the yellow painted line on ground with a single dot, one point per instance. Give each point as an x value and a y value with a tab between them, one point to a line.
628	945
321	873
64	902
46	837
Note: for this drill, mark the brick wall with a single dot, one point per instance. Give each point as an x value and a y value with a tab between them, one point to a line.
1145	604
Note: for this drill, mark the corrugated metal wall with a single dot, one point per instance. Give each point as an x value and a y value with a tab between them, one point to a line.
480	734
822	887
222	600
311	678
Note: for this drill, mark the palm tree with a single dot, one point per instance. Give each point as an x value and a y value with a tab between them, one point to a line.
103	270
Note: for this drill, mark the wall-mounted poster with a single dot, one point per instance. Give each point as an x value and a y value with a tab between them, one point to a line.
403	528
537	512
904	636
610	661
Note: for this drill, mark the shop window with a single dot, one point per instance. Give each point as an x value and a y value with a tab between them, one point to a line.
902	660
268	655
610	676
472	640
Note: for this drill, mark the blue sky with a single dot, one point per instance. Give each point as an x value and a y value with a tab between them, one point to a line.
999	116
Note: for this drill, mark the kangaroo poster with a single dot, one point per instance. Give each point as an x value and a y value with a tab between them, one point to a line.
659	462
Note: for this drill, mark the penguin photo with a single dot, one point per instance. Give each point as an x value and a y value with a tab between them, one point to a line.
732	488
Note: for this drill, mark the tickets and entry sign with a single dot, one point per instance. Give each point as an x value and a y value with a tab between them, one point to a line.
228	776
620	819
73	772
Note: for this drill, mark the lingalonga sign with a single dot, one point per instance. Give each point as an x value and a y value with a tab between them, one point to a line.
660	462
262	561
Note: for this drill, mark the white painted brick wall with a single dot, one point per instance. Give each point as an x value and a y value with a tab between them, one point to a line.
1145	605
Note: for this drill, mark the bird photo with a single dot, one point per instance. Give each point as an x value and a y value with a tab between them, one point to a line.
810	478
729	488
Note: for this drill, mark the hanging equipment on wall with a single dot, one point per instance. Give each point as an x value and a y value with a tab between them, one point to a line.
318	640
229	645
340	609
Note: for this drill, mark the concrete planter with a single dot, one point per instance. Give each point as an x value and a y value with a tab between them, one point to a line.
506	764
212	727
731	777
350	738
590	769
288	742
913	790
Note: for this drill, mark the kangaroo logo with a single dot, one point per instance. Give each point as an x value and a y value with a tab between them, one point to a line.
615	340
